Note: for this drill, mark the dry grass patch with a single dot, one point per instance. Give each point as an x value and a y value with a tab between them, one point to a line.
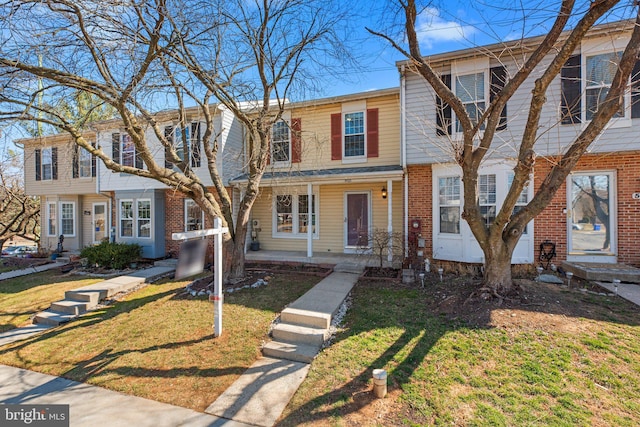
158	344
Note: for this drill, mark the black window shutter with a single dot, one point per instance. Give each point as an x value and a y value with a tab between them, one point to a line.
168	134
93	162
38	165
54	163
443	111
75	162
195	145
571	86
115	147
635	91
498	80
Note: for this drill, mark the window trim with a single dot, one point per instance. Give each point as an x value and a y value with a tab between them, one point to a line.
186	215
295	214
120	219
465	68
89	165
362	157
42	163
138	219
281	163
73	217
123	137
55	219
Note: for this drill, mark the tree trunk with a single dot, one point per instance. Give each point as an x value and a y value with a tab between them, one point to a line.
497	269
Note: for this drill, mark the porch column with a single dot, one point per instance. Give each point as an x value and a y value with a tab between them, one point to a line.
310	221
390	218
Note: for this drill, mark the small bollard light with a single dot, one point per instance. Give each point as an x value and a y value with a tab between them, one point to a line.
440	271
616	282
539	269
569	276
421	275
554	268
379	383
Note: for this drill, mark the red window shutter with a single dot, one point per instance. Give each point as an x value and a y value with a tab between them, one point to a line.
336	136
296	140
372	132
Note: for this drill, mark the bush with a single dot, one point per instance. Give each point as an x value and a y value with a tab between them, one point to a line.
112	255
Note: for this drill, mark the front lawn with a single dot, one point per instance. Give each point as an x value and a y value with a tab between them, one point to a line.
158	343
561	357
24	296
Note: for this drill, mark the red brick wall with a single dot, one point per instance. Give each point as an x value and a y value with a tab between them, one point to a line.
552	222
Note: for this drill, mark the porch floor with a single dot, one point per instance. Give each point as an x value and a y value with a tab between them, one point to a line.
338	259
603	272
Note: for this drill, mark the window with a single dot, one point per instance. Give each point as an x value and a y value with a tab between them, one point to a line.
523	199
51	219
354	134
487	198
470	89
193	216
128	151
126	218
292	215
84	163
67	218
144	218
600	70
47	163
449	201
186	142
280	142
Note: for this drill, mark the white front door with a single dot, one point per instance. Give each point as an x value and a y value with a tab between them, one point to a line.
99	222
591	223
357	221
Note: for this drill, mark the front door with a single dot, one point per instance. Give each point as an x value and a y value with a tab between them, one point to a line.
99	222
357	221
592	217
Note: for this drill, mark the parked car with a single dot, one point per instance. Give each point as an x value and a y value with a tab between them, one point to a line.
19	251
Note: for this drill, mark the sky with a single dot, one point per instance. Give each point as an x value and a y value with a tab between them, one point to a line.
451	25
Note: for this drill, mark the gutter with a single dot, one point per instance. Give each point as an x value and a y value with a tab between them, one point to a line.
403	149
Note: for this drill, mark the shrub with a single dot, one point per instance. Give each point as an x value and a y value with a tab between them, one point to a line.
112	255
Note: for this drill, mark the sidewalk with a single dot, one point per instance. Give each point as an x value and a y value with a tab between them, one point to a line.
91	406
30	270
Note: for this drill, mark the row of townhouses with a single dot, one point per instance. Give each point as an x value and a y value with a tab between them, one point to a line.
376	160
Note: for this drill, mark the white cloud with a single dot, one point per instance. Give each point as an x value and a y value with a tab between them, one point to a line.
431	28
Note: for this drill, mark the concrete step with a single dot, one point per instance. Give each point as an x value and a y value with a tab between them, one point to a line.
92	297
53	318
298	334
71	306
169	262
289	351
312	319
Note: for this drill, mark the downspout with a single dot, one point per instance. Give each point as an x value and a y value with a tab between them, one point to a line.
403	151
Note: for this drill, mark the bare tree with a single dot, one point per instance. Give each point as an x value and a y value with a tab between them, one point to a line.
140	57
499	239
19	213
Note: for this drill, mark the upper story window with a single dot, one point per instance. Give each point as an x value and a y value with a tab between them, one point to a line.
46	163
84	163
280	142
354	134
186	141
128	151
193	216
475	85
600	70
124	151
470	89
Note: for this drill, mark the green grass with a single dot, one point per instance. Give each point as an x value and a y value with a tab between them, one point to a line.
22	297
159	345
445	372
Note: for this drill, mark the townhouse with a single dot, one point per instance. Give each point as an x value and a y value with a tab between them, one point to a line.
594	217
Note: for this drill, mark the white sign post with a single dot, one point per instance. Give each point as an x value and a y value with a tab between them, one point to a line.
217	231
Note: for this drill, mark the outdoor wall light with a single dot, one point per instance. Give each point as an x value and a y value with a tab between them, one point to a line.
384	192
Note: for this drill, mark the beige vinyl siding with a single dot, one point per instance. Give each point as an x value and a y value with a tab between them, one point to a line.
331	216
65	182
316	135
87	220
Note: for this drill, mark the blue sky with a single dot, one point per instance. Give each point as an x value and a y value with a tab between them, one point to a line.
447	26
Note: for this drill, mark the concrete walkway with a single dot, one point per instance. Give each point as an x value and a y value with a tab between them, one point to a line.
30	270
628	291
91	406
261	393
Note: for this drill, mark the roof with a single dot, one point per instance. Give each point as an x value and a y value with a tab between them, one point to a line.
332	174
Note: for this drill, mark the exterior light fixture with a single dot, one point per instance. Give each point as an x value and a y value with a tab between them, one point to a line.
384	192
